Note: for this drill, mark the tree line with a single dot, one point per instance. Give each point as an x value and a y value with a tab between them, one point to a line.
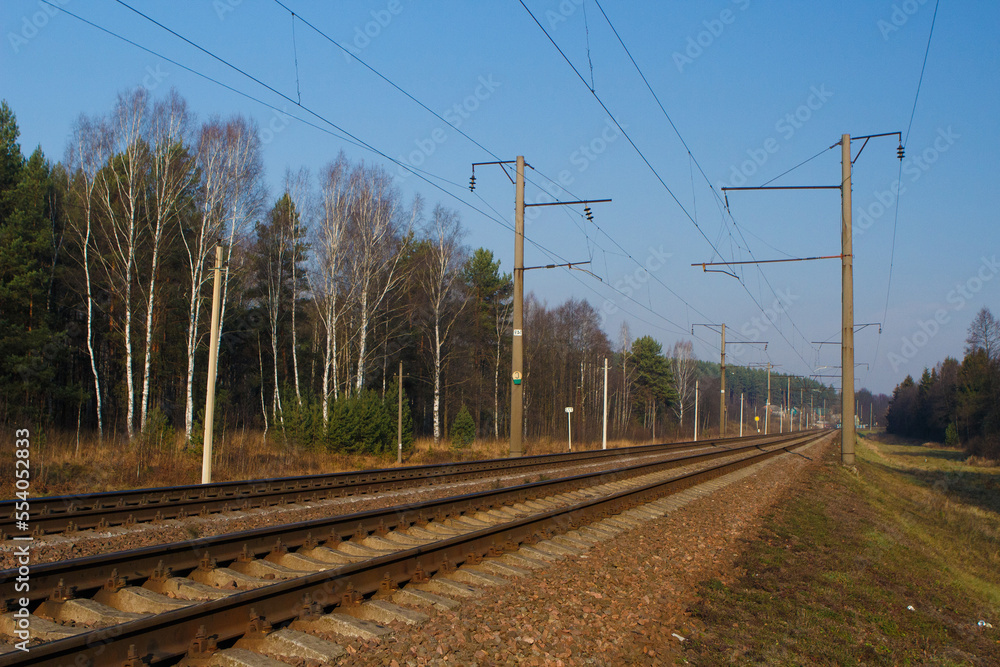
956	402
107	260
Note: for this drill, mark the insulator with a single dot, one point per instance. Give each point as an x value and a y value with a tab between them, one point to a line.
588	213
899	151
472	183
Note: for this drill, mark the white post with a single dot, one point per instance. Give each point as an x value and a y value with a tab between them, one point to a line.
604	437
741	414
569	421
213	360
696	410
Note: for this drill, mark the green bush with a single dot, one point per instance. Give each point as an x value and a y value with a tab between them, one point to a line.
158	432
303	423
463	429
951	436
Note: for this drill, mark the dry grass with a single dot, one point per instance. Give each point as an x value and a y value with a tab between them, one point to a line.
894	563
62	465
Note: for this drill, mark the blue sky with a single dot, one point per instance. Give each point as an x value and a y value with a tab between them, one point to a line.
754	88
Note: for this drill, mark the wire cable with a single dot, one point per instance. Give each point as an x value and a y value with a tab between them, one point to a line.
694	160
922	68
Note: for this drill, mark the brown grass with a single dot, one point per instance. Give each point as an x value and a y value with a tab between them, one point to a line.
62	465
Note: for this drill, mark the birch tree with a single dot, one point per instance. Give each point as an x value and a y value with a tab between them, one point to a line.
228	160
682	365
297	190
172	176
374	255
85	160
439	278
123	195
330	247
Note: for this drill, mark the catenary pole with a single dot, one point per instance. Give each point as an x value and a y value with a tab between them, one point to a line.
722	385
517	350
847	432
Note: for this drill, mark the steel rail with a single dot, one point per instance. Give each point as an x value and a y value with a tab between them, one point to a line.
165	638
58	514
90	573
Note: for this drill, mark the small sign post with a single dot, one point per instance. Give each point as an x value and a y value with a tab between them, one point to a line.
569	421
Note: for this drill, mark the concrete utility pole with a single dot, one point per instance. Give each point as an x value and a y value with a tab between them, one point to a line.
722	385
767	411
847	417
604	435
788	403
723	416
213	361
517	349
399	416
696	410
847	433
767	402
517	346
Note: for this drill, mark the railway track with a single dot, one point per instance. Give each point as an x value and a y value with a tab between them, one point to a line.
72	513
334	575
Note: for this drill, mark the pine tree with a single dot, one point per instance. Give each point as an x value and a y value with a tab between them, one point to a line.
463	429
29	349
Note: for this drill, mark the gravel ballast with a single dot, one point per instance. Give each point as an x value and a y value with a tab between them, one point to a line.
623	602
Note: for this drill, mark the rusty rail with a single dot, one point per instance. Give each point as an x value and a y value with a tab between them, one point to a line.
164	638
58	514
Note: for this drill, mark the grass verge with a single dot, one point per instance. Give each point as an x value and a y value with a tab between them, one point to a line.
61	464
892	564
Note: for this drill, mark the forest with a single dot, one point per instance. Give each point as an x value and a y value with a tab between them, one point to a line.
956	402
107	263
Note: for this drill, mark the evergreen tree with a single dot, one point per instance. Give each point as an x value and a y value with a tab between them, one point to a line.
463	429
29	348
653	379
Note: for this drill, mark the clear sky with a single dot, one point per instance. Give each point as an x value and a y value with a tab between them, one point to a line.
754	89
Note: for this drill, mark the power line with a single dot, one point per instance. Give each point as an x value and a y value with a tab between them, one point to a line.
471	139
688	149
349	138
622	130
922	68
895	217
363	144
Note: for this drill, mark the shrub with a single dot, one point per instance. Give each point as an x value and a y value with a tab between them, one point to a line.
463	429
951	436
158	431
